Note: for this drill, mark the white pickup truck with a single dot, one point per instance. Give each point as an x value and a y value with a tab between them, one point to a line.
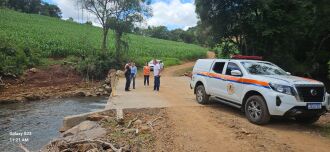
260	88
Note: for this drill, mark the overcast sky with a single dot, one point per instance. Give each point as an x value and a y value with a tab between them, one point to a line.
170	13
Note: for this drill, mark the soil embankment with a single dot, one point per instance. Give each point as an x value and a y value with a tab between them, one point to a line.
57	81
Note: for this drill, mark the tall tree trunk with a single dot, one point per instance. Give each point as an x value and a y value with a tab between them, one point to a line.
105	38
118	45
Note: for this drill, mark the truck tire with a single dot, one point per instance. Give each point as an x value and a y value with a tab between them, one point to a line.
201	96
308	119
256	110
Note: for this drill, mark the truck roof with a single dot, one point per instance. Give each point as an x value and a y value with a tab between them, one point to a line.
239	60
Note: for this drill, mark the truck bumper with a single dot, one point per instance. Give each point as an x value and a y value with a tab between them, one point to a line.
287	105
303	111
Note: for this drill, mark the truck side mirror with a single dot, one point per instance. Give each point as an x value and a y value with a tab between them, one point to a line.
236	73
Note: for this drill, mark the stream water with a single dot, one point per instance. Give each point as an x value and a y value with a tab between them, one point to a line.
34	124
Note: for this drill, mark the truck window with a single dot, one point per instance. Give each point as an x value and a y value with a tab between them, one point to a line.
218	67
232	66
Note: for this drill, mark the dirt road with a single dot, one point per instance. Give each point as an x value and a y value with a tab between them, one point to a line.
218	127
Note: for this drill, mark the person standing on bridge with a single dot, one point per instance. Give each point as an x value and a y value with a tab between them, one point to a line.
157	74
133	74
146	73
128	76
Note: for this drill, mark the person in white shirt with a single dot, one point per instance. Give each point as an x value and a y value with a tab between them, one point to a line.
157	74
161	65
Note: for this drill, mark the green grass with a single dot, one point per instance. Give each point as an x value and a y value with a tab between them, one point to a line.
57	38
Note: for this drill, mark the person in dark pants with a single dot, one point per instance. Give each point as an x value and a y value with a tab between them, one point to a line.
128	76
157	71
133	74
146	73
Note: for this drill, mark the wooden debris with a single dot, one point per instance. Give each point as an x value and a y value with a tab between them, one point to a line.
151	123
120	115
132	121
99	142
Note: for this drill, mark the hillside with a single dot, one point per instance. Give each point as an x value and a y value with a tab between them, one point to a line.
57	38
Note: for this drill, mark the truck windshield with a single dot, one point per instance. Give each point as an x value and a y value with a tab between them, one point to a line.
263	68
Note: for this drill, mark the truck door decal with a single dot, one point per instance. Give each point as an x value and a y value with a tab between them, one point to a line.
235	79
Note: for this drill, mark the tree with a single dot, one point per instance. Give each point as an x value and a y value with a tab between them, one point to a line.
33	7
118	14
160	32
176	35
292	33
70	19
89	23
50	10
3	3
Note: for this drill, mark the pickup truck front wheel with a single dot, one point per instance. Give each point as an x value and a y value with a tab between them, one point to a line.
256	110
201	96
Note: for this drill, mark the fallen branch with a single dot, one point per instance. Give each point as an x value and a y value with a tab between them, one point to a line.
100	142
120	116
151	123
23	148
132	121
111	146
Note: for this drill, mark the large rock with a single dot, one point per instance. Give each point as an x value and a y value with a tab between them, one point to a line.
107	88
85	125
88	94
92	134
80	94
87	130
33	70
32	97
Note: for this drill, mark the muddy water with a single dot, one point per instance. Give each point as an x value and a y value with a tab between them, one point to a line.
34	124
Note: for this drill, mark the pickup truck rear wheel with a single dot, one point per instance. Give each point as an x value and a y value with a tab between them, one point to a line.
256	110
201	96
307	120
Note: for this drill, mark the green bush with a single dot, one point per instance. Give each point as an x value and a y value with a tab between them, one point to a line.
96	66
171	61
15	58
225	49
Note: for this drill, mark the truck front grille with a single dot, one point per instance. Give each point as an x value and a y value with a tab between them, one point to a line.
311	93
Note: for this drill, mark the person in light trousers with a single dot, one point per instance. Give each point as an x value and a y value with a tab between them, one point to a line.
157	74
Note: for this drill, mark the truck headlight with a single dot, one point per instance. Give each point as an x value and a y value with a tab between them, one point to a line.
282	88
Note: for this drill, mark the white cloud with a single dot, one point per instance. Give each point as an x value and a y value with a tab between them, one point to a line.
70	8
173	14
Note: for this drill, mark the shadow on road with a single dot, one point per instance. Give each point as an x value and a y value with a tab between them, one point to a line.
321	127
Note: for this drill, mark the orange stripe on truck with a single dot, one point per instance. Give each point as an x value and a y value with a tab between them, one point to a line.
235	79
